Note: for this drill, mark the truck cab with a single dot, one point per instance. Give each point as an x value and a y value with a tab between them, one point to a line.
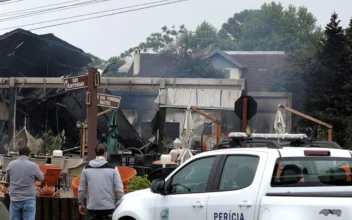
266	183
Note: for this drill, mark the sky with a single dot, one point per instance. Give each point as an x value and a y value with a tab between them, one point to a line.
110	36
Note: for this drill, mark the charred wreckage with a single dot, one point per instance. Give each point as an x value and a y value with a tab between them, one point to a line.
27	55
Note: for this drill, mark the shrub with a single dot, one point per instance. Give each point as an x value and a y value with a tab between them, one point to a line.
138	183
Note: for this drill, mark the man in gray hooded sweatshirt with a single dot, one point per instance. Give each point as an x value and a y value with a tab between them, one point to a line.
101	179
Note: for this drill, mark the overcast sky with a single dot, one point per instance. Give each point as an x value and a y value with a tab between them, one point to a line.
109	36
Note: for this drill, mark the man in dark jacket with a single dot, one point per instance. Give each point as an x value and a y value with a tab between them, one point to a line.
102	180
22	175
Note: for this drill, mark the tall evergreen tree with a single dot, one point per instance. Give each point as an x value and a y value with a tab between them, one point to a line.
329	84
349	34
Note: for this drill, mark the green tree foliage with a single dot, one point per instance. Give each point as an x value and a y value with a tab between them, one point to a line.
349	34
178	41
231	31
52	142
114	64
194	67
272	28
326	82
291	76
320	78
138	183
166	39
330	85
205	35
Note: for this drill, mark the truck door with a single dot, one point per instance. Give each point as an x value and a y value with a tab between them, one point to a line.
236	187
188	191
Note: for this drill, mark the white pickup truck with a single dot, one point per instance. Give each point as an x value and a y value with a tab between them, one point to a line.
286	183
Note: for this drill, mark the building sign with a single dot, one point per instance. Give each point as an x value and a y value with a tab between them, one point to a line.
108	101
77	82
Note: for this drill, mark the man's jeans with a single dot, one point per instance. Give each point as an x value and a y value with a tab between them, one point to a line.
24	209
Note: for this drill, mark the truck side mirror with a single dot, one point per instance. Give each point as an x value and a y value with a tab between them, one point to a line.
158	186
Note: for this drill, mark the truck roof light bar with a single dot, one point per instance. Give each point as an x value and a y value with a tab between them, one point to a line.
289	137
238	135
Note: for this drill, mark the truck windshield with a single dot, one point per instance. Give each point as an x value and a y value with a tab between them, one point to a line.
312	172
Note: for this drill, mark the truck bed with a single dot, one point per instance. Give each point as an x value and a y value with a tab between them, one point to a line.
307	206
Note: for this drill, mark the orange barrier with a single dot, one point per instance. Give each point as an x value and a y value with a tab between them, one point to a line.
126	174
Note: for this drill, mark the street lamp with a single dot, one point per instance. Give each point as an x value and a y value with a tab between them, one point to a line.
78	124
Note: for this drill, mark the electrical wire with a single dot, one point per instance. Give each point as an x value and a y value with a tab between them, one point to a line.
82	15
29	9
50	10
101	16
9	2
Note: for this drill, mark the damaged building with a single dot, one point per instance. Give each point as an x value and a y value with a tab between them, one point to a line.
150	100
250	72
42	107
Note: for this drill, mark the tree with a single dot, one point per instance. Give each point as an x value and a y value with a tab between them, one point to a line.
164	40
116	61
205	35
320	78
349	34
290	77
189	66
179	41
330	84
231	31
272	28
114	64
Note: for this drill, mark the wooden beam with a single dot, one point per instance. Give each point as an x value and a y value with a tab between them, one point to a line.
104	112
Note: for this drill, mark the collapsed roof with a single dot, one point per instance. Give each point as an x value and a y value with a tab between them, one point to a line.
24	54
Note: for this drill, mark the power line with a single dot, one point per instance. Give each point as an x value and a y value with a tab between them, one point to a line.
101	16
88	14
10	2
45	11
29	9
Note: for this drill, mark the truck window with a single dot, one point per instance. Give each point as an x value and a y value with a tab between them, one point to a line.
238	172
193	178
312	172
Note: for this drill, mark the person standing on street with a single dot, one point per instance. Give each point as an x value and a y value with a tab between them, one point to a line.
22	175
102	180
